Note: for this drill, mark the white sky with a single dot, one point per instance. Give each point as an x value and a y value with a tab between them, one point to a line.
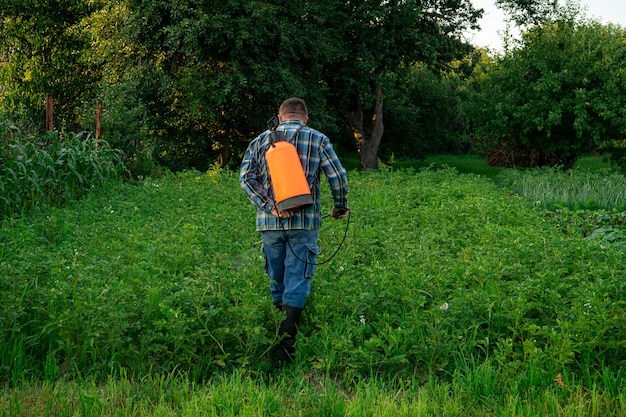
493	23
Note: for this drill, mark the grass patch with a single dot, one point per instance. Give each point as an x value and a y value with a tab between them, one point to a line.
310	394
465	164
572	189
593	163
468	163
586	203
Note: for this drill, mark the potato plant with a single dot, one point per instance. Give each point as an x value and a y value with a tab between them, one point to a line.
440	272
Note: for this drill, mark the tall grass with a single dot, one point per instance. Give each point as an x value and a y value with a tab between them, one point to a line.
582	202
51	170
572	189
474	393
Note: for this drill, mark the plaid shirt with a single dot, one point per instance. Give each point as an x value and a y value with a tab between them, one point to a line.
316	155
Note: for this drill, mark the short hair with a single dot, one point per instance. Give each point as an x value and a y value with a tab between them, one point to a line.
294	105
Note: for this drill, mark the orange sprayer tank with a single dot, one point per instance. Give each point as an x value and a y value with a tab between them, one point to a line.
291	189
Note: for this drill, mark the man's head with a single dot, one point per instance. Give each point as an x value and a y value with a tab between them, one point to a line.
293	108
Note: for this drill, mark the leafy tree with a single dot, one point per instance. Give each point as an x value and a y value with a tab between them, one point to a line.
421	114
527	13
377	37
43	48
560	94
208	74
214	71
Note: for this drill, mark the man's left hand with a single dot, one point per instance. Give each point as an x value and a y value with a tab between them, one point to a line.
282	214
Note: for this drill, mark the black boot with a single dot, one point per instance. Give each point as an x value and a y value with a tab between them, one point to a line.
288	330
278	305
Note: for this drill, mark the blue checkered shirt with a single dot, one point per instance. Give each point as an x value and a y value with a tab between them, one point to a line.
316	155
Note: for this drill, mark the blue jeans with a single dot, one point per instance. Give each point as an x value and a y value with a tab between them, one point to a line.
290	264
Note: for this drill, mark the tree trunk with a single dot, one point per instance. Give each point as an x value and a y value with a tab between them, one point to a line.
367	148
224	150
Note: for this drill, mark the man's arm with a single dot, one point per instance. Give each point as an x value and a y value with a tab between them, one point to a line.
337	179
250	181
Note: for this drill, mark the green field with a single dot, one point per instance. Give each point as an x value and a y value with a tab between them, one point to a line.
454	294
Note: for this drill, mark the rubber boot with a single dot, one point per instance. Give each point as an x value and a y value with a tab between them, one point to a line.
278	305
288	330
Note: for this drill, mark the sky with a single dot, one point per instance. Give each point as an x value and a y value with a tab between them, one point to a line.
493	22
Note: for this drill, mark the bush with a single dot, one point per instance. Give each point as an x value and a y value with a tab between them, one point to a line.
421	116
616	151
125	125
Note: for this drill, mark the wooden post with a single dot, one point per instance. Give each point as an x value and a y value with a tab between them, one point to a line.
99	119
49	107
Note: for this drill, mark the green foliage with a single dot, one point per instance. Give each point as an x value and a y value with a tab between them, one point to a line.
43	49
588	204
126	121
207	75
555	97
473	283
185	83
376	40
477	392
440	271
51	170
616	151
528	13
420	114
152	293
576	189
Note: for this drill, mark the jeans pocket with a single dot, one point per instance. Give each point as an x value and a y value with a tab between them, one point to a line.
311	257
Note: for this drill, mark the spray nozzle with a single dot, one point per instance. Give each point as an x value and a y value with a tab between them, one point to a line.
340	212
273	123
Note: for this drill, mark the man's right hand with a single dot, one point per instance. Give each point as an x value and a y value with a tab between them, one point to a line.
340	213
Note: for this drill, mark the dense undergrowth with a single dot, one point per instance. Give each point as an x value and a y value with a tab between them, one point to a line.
438	269
445	280
589	203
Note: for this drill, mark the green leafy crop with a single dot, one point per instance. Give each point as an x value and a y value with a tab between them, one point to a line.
438	271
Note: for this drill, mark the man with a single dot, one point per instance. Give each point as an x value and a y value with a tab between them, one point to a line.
290	236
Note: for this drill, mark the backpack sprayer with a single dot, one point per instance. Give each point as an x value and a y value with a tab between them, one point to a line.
291	189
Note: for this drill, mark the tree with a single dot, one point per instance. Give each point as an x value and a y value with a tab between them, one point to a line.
421	113
377	37
527	13
203	75
561	93
209	73
218	69
43	49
